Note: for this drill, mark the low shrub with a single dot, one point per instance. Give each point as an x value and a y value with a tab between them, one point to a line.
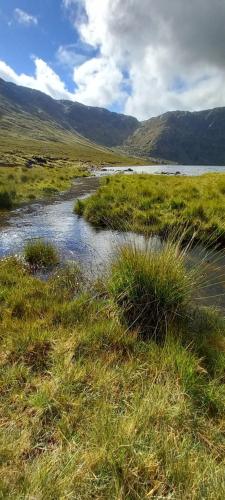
39	253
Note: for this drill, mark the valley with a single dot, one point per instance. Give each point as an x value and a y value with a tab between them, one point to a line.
111	302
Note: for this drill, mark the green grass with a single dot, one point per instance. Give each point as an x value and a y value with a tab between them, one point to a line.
6	200
65	156
91	410
160	204
20	184
150	289
39	253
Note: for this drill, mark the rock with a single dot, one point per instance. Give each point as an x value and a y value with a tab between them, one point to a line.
39	160
29	163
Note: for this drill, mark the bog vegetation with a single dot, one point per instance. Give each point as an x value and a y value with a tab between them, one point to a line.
160	204
18	184
40	254
112	389
46	161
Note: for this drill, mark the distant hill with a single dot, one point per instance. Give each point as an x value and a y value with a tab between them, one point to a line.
182	137
34	123
97	124
179	137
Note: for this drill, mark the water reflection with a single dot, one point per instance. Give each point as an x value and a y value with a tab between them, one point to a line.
166	169
75	238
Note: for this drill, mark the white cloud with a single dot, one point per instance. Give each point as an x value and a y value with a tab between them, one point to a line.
45	79
99	82
158	44
24	18
152	56
91	79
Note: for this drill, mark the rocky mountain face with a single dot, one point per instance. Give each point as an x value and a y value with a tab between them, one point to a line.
182	137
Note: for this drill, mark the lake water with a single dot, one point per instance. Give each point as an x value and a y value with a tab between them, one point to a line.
167	169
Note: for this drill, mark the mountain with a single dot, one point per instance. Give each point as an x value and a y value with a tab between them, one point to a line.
96	124
182	137
30	119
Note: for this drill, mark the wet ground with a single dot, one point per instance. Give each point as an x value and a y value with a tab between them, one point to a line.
77	240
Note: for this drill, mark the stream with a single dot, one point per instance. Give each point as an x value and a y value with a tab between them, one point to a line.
76	240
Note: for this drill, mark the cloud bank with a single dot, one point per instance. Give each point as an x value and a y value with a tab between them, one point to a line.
152	56
173	52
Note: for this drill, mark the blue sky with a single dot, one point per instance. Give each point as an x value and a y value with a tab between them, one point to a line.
21	41
140	57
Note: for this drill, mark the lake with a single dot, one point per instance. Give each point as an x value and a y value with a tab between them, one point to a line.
167	169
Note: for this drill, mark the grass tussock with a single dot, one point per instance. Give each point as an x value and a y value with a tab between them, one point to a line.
6	200
40	254
160	204
89	408
152	288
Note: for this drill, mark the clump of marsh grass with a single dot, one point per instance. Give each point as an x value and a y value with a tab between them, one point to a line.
68	281
6	200
90	410
152	289
40	254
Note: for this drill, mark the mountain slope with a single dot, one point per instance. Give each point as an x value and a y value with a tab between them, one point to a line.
182	137
97	124
33	123
63	126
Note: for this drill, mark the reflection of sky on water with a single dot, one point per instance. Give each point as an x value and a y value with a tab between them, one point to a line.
169	169
75	238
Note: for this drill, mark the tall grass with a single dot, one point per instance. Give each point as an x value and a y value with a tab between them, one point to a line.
6	200
90	409
160	204
37	182
39	253
152	288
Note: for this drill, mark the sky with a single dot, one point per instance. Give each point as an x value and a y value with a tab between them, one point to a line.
138	57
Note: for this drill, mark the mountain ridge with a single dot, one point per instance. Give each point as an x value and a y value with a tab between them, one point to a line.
182	137
104	127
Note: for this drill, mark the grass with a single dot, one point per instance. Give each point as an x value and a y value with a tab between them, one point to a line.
160	204
44	162
89	409
19	183
150	289
39	253
6	200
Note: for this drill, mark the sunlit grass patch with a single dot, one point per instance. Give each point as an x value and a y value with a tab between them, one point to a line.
90	409
39	253
152	288
158	204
